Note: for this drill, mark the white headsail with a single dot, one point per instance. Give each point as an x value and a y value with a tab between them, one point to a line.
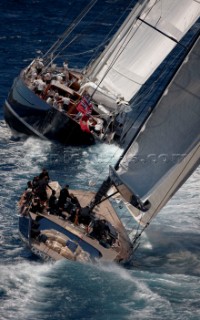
167	149
147	36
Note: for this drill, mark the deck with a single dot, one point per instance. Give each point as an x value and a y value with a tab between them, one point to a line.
121	249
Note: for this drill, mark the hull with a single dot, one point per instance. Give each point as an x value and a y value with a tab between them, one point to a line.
61	239
27	114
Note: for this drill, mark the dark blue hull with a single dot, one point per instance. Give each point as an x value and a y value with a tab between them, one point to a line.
27	114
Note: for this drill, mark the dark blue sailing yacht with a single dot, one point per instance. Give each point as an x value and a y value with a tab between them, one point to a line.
53	102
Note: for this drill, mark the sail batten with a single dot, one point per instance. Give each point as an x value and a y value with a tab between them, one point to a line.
143	43
167	149
168	26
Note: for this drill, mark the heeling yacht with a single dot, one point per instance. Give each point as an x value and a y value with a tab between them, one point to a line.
87	236
158	161
52	101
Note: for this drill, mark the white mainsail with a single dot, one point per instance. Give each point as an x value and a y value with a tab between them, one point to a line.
167	149
147	36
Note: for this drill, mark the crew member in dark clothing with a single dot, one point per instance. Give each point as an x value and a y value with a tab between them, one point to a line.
36	206
43	174
43	182
85	216
29	185
35	182
28	193
41	188
64	194
100	229
80	215
53	203
72	203
74	200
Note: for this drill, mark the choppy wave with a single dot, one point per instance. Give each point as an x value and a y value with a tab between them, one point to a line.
68	290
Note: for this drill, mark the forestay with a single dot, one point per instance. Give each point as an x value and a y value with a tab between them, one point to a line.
167	149
142	44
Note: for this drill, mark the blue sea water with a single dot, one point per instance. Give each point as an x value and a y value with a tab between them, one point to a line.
163	279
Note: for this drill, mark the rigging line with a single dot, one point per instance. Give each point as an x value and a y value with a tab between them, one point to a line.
68	44
86	28
78	54
68	31
65	16
49	35
74	24
75	54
